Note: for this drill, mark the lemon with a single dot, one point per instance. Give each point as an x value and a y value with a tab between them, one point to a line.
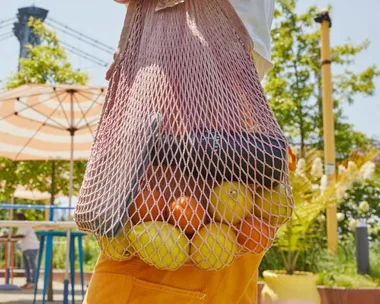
118	247
274	206
160	244
214	246
231	202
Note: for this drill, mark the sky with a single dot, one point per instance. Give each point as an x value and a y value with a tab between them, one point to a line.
103	19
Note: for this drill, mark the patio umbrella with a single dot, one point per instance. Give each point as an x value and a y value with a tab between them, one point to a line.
39	122
50	122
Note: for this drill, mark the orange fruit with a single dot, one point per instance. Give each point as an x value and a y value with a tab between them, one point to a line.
186	213
292	160
255	235
149	206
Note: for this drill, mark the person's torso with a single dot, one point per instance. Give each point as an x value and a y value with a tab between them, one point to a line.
29	241
257	16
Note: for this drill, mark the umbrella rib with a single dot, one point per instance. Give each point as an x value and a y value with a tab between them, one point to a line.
34	135
83	115
54	127
63	110
27	106
39	112
48	117
19	96
93	102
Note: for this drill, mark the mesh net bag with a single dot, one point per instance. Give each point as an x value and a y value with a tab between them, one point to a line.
188	165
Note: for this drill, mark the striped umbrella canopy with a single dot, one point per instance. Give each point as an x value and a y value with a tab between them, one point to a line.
32	195
39	122
50	122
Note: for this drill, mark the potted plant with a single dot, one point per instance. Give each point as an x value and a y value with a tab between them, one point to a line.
312	196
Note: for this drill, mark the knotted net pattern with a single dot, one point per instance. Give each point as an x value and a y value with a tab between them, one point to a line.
189	165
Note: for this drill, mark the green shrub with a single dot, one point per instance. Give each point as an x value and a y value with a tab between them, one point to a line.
375	261
341	270
91	253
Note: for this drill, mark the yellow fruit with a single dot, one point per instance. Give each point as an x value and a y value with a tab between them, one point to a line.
273	205
214	246
117	248
231	201
160	244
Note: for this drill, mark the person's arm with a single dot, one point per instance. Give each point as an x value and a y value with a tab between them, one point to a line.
21	232
18	236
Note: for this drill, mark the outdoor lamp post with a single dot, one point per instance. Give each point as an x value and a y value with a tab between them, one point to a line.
328	123
362	247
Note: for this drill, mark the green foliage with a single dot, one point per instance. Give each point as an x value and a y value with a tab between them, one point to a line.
31	215
90	253
272	260
341	270
8	178
374	261
293	87
309	202
38	175
338	270
59	253
312	195
46	63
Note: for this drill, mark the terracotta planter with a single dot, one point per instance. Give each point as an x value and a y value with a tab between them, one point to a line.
337	295
349	296
281	288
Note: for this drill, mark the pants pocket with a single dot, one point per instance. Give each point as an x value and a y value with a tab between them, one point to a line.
109	288
152	293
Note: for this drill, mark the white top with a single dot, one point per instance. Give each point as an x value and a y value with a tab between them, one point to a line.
30	240
257	16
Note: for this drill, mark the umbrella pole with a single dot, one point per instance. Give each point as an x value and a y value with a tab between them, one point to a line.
49	215
68	236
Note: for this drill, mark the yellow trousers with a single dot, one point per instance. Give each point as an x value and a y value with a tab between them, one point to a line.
134	282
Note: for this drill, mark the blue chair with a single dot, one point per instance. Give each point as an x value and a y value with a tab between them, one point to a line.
48	236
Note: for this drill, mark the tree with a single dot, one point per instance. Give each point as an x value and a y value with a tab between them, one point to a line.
46	63
293	87
8	178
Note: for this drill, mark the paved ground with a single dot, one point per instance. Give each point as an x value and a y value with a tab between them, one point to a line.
26	296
